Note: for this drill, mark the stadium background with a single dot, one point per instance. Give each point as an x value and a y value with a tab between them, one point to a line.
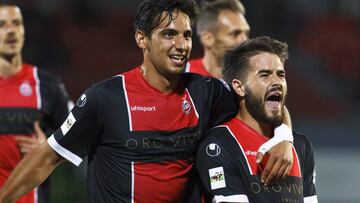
85	41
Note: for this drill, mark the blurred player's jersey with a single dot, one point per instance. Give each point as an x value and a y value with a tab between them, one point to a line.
196	66
25	97
226	162
141	142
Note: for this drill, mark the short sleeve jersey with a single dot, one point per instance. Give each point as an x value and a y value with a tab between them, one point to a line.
140	142
29	95
226	162
196	66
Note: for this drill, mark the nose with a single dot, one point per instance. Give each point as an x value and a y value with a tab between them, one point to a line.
276	80
180	43
241	38
10	29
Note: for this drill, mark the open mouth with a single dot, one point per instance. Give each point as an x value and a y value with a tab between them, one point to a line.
178	59
273	100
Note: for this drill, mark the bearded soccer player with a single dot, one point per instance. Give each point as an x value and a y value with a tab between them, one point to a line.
226	158
140	129
221	25
29	98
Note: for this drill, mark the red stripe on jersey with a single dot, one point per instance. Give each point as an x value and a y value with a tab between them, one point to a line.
161	182
250	141
197	66
19	90
151	109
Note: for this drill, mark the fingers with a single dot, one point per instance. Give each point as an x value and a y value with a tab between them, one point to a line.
287	171
26	147
39	133
259	157
26	143
276	172
267	169
277	167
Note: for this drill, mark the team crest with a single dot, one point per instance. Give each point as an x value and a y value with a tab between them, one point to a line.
186	106
25	89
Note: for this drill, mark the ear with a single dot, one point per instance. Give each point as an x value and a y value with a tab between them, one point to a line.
238	87
141	39
207	39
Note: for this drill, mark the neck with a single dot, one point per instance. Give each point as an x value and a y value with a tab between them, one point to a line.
165	84
261	127
212	64
10	65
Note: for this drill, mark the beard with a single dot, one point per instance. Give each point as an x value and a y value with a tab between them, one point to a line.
256	108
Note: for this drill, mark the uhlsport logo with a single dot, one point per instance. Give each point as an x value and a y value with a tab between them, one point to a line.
81	101
213	149
186	106
25	89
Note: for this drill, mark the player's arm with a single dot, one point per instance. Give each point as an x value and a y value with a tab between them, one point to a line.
309	174
219	167
30	172
279	152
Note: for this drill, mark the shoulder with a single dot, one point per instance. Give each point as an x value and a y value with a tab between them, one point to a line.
47	77
219	135
110	84
197	79
301	140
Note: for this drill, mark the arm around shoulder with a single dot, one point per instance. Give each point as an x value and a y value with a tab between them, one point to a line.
30	172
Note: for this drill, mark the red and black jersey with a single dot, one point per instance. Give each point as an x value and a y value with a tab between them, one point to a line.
141	142
226	162
27	96
196	66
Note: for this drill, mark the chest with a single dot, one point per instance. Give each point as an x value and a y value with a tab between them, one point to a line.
20	103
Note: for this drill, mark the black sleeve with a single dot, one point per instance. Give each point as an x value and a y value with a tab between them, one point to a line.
219	167
62	105
223	103
55	101
80	131
309	170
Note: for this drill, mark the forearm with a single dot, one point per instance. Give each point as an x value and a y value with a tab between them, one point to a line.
30	172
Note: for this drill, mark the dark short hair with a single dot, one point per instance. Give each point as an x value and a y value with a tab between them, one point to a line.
210	11
149	13
7	3
236	60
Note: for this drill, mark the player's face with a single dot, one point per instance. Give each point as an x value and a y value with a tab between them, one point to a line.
11	30
169	47
232	30
266	88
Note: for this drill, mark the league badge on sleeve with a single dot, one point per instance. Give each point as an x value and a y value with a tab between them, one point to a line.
217	178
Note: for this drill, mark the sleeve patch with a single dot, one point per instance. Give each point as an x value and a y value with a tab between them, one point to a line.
217	178
69	122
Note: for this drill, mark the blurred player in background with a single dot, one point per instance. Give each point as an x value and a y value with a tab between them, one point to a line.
30	100
221	25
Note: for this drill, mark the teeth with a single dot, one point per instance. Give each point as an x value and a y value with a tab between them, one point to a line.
177	57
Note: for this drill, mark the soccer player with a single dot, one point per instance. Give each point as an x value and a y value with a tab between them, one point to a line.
221	25
140	129
226	158
29	98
